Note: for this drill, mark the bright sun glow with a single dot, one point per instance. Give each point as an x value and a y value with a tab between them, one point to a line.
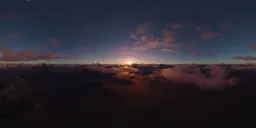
129	62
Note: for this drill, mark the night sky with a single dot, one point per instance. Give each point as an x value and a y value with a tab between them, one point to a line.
78	31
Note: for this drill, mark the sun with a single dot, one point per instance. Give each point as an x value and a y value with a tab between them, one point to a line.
129	62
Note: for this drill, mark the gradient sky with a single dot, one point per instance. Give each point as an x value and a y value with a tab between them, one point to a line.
78	31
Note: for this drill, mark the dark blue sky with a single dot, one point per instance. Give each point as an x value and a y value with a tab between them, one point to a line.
79	31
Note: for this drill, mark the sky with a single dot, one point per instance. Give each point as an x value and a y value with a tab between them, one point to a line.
79	31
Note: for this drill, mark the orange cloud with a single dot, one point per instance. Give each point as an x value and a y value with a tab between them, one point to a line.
170	50
168	36
251	46
141	29
152	44
209	35
26	55
170	45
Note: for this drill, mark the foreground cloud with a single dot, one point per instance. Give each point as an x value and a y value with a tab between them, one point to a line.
246	58
185	74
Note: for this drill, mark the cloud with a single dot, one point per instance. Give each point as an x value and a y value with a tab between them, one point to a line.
81	48
168	36
152	44
170	45
170	50
202	54
54	41
209	35
141	29
251	46
185	74
27	55
15	35
177	26
246	58
198	28
225	26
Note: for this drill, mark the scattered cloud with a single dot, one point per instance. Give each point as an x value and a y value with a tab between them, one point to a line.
225	26
170	45
27	55
54	41
251	46
209	35
170	50
152	44
15	35
202	54
168	36
141	29
81	48
198	28
246	58
177	26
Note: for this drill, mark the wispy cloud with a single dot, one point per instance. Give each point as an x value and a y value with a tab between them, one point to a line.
202	54
170	50
15	35
251	46
177	26
225	26
54	41
209	35
246	58
27	55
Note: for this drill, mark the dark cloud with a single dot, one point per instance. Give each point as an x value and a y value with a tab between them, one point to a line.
246	58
